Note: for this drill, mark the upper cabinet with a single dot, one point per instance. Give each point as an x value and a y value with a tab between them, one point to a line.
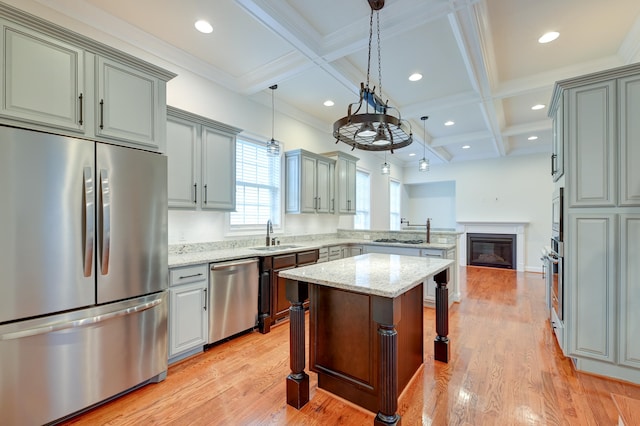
345	186
309	179
127	104
201	162
629	172
58	81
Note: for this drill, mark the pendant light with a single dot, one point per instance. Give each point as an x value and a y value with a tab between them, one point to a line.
385	169
273	147
423	164
370	127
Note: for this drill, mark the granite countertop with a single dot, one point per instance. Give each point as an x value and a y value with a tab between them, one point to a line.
220	255
387	275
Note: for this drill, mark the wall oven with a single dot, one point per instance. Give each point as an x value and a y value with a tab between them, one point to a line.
556	255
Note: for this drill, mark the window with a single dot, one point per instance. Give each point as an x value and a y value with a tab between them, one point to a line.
394	205
363	200
257	187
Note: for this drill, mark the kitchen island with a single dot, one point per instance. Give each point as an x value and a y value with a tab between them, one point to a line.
366	327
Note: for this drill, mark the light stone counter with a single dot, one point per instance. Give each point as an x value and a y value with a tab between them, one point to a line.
387	275
225	254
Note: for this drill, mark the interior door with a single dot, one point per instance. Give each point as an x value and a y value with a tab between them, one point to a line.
46	225
132	252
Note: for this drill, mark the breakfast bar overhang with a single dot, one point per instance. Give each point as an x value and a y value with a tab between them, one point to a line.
365	327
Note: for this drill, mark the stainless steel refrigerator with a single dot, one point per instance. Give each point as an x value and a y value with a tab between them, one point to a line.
83	273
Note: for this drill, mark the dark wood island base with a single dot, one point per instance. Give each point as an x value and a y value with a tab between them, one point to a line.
364	347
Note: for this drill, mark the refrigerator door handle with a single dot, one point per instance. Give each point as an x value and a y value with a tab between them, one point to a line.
89	221
80	322
106	220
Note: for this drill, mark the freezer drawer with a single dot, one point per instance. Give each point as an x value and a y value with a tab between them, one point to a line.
65	363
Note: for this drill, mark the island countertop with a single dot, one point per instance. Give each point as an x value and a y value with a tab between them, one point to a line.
387	275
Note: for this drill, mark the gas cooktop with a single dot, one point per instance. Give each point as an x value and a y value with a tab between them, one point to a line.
394	240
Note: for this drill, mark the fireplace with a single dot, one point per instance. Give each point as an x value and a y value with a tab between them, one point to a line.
494	250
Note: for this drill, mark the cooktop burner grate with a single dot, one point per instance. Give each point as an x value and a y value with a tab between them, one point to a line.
394	240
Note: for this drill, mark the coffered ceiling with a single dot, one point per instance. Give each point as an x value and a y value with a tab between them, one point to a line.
481	63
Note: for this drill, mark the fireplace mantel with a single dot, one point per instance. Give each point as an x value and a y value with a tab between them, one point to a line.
490	227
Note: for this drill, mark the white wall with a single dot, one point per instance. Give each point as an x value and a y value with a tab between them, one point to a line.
434	200
504	189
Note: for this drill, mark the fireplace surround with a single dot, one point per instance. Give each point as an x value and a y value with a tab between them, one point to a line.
517	227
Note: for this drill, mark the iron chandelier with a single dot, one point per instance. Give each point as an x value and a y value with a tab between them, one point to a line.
373	129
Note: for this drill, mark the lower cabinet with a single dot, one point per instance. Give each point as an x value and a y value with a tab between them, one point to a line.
274	304
350	251
188	311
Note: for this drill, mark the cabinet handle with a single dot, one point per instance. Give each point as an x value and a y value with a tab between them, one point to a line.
81	108
205	194
101	114
348	205
190	276
553	164
319	203
195	193
205	299
333	204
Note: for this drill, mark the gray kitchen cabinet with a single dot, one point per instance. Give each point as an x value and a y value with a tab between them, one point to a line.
592	141
211	182
334	253
593	301
557	147
42	78
128	105
345	182
62	82
602	209
308	182
188	311
629	298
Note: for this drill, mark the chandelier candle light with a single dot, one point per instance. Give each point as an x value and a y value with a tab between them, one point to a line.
373	129
273	147
423	164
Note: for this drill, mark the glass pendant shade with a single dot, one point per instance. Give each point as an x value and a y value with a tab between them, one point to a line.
423	165
366	130
385	169
273	148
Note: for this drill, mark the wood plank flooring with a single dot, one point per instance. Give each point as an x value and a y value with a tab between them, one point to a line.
505	369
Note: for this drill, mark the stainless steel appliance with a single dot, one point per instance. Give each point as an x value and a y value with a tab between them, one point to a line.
556	264
83	273
233	298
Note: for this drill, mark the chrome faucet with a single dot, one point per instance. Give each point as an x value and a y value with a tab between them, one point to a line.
269	231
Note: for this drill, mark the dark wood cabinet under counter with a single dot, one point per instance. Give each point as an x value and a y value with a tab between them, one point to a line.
273	304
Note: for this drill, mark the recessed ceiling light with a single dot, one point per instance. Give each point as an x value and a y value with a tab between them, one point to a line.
203	26
532	138
537	107
328	103
449	123
415	76
413	154
547	37
466	146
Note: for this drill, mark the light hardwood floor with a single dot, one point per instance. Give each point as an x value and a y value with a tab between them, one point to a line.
505	369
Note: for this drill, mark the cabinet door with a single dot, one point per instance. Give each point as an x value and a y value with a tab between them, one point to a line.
332	187
557	156
42	79
629	104
183	170
188	319
343	197
218	170
351	187
592	140
629	290
280	302
128	104
590	285
308	197
323	194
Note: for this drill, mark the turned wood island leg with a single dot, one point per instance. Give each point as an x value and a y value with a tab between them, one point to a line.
441	342
298	380
386	312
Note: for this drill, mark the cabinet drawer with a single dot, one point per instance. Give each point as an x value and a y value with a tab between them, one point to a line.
431	253
306	257
335	251
284	261
187	274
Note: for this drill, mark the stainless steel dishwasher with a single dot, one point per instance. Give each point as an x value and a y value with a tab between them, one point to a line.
233	298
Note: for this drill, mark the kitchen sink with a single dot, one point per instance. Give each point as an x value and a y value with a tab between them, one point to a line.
274	248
